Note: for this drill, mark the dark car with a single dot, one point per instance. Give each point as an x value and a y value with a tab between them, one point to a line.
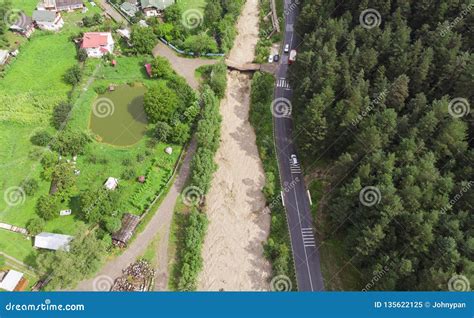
276	58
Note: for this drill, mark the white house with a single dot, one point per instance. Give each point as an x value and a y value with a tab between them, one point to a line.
11	280
111	183
153	8
48	20
97	44
53	241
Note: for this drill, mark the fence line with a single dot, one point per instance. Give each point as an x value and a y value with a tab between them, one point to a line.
189	53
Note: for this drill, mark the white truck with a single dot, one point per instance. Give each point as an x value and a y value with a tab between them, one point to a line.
292	57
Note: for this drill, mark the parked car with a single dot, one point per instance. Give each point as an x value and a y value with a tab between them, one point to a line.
293	159
287	48
276	58
270	59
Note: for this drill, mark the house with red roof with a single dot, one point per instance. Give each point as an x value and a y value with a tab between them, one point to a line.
97	44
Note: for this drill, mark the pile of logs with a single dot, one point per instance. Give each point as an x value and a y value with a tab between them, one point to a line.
136	277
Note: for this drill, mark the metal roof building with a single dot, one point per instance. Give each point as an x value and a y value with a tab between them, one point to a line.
11	280
53	241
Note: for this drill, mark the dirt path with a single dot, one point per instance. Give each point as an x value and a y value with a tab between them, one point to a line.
233	250
158	225
186	67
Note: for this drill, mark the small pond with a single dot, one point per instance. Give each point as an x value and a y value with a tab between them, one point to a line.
118	117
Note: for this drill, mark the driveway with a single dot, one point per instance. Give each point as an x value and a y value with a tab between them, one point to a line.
186	67
112	12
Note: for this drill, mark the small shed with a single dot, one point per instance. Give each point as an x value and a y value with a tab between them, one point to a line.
148	69
13	281
129	224
125	33
53	241
111	183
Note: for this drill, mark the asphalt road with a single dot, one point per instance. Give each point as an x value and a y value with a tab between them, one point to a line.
295	196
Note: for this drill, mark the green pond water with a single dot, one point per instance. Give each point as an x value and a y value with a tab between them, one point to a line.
118	117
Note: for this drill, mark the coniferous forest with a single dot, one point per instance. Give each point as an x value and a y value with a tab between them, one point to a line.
385	95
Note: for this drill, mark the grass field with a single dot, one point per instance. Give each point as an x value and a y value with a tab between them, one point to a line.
28	6
191	4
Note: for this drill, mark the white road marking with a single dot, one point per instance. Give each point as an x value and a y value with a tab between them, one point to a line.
295	168
308	237
282	82
305	254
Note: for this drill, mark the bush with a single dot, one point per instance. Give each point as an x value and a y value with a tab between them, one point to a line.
129	174
81	55
30	186
180	133
47	207
41	138
70	142
190	258
200	44
112	224
161	68
35	226
160	103
162	131
96	19
61	114
143	40
101	89
73	76
216	77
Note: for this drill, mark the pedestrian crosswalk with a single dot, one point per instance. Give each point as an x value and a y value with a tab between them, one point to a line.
308	237
282	82
295	168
